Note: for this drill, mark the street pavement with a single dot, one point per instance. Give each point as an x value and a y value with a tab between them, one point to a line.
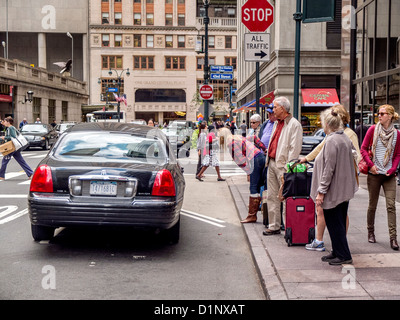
294	273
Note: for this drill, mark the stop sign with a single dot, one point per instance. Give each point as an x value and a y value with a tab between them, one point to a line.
206	92
257	15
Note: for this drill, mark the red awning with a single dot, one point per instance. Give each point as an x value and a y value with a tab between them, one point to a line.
265	101
319	97
5	98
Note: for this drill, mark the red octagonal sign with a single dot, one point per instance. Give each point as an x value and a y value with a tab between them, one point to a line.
206	92
257	15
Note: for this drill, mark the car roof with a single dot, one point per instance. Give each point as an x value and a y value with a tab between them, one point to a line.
132	128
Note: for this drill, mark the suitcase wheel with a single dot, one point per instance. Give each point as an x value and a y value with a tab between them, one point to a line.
288	236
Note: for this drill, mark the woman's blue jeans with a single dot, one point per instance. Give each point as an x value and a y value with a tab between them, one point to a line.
257	174
18	157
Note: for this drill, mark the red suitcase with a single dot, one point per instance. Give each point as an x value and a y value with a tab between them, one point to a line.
300	220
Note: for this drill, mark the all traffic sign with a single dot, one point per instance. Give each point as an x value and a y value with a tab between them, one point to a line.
256	47
206	92
257	15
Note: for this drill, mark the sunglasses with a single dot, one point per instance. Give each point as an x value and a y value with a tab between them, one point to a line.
382	113
253	122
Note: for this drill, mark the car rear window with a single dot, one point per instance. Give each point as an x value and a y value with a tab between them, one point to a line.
117	146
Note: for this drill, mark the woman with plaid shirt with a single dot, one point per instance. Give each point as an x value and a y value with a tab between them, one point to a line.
249	154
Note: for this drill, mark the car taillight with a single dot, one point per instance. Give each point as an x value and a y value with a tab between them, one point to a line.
164	184
42	180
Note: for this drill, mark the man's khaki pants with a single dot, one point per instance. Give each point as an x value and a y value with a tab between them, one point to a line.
274	204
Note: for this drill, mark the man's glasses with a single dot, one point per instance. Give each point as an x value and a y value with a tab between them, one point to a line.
252	122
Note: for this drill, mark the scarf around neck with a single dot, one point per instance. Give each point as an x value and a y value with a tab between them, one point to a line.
386	136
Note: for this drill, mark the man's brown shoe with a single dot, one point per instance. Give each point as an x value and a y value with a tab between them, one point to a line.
250	219
269	232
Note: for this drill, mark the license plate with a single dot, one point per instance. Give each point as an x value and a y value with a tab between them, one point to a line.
103	188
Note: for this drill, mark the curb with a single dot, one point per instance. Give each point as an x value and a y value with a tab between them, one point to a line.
269	278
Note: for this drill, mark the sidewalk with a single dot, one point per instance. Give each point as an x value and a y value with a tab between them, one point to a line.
293	273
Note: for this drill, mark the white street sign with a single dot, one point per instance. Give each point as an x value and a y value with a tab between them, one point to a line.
256	47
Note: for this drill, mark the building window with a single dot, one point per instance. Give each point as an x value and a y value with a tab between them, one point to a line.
181	41
137	40
231	12
169	43
111	62
137	19
150	19
228	42
175	63
105	40
200	62
168	1
51	110
218	12
149	1
64	110
137	1
150	41
118	18
143	62
211	42
117	0
37	102
168	19
118	40
181	1
105	18
160	95
231	61
181	19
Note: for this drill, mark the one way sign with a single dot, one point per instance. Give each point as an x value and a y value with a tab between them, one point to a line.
256	47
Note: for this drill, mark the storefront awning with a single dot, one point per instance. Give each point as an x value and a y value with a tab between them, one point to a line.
319	97
243	107
265	101
5	98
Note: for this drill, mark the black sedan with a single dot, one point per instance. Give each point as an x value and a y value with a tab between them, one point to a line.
39	135
108	174
310	142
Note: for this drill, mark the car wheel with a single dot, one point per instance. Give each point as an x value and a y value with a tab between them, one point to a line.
172	235
40	233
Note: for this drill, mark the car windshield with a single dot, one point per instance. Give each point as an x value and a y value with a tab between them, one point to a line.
99	146
34	128
65	126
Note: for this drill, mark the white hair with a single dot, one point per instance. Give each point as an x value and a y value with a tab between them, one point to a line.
256	117
284	102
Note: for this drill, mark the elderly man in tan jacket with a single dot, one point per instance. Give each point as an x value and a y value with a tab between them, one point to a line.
284	145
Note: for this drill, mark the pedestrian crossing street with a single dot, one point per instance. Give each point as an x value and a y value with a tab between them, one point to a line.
10	175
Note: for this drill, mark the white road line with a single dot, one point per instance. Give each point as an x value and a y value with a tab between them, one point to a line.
11	175
26	182
200	217
9	209
14	216
13	196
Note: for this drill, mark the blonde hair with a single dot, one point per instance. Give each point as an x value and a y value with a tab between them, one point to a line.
344	115
390	111
331	120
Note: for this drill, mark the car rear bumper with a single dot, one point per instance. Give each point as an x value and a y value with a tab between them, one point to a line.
36	143
63	211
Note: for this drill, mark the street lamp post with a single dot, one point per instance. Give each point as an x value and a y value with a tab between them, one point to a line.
206	67
119	78
72	58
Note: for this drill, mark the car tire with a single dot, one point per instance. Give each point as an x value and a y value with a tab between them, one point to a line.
172	235
40	233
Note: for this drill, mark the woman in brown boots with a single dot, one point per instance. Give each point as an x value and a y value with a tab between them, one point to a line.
249	154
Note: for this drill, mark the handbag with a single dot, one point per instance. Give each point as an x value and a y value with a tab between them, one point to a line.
296	183
19	142
7	148
362	165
